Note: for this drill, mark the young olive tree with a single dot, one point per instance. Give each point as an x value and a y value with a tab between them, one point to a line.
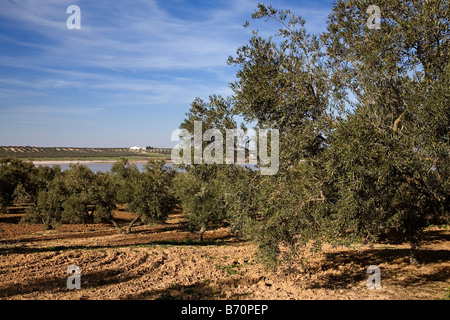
152	194
201	188
18	181
76	195
48	207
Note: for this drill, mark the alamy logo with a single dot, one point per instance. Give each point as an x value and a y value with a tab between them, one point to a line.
74	20
374	20
74	281
237	142
374	280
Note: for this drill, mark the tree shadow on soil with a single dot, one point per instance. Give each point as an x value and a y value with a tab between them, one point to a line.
58	284
13	219
61	236
216	241
86	235
201	290
348	268
396	238
91	234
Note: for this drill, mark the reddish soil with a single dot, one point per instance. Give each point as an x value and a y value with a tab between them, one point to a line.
165	262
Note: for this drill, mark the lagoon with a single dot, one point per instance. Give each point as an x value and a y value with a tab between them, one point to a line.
96	166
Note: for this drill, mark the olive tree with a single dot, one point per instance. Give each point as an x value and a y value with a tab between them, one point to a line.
389	160
201	187
17	178
49	204
363	119
77	195
201	193
152	195
124	174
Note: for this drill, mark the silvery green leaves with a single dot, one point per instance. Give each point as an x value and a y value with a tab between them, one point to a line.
382	153
238	147
210	135
363	125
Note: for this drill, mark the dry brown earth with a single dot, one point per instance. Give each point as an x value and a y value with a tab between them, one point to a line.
165	262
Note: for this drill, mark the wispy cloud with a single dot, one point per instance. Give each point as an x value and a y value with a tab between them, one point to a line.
141	36
153	56
51	110
118	35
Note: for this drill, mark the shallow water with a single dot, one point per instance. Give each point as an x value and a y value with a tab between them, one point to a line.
97	166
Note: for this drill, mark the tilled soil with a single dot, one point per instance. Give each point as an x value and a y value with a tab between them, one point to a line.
166	262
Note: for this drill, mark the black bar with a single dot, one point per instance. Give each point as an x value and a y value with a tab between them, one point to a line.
222	309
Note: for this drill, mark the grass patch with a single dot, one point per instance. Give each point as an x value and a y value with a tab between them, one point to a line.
446	296
229	269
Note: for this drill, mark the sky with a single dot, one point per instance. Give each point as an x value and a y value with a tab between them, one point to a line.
128	75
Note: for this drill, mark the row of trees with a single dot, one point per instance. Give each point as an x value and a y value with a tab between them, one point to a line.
78	195
55	152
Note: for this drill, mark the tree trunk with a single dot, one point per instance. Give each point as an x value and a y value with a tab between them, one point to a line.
413	256
47	225
119	228
128	229
201	232
116	225
111	218
414	240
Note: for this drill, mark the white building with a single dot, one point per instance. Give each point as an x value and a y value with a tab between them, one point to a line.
137	149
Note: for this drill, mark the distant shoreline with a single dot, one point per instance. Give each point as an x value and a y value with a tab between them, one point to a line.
74	161
58	162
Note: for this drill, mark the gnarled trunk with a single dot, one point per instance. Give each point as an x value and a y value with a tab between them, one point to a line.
128	228
111	218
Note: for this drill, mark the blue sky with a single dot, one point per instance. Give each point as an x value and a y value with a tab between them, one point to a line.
128	76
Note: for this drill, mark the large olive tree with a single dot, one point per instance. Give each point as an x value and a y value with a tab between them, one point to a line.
364	119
